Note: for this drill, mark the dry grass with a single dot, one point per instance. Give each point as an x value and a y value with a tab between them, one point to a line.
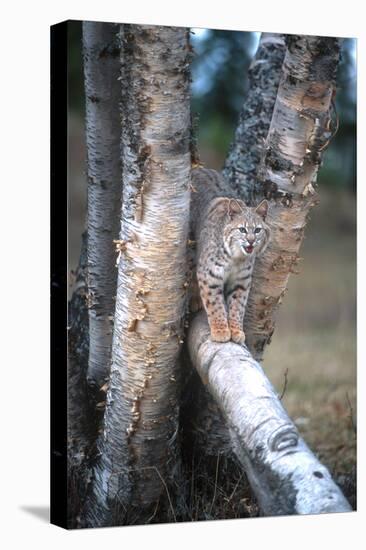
215	488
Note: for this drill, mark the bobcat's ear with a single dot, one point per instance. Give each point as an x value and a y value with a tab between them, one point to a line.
262	209
234	207
219	205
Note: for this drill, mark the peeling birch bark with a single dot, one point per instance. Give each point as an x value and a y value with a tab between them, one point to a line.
300	130
137	451
245	153
101	53
283	473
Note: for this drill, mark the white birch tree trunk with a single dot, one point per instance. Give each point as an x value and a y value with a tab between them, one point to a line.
101	54
301	128
138	448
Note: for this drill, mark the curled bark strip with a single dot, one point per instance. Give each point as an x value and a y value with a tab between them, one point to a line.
284	474
103	134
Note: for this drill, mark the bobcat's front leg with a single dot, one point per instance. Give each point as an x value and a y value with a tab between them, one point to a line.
236	300
211	285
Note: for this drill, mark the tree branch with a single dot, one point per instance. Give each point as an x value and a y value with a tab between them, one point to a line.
283	473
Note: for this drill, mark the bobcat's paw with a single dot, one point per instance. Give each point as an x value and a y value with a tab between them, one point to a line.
238	336
220	334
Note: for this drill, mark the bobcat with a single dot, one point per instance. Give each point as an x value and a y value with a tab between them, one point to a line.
229	236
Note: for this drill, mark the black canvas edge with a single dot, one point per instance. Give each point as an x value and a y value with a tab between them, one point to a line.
59	146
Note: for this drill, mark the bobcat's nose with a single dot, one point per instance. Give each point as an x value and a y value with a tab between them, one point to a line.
250	240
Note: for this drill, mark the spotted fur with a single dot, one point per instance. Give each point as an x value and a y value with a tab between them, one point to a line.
229	236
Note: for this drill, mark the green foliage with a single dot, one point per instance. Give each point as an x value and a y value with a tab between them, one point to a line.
219	72
216	134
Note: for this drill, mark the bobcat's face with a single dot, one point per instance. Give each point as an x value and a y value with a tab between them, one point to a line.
248	233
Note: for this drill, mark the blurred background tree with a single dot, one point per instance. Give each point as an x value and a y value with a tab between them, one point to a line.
219	84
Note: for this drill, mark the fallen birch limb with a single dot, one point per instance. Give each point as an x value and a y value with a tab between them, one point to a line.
284	474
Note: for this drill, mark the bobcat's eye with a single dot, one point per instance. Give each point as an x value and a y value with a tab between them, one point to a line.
257	230
242	230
